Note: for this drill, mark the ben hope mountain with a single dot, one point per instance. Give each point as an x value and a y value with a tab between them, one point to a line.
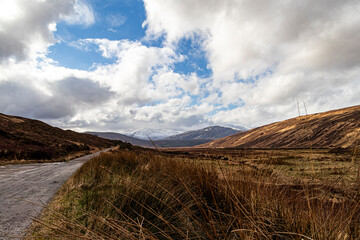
154	134
212	132
186	139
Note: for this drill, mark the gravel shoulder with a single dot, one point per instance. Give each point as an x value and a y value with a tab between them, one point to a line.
25	189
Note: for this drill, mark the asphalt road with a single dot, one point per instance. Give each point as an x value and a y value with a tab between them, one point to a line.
25	189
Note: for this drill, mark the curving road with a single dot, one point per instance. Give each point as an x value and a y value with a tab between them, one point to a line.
25	188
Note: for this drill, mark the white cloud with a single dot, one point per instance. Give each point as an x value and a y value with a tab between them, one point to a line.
139	90
266	54
131	76
83	14
24	29
115	20
9	10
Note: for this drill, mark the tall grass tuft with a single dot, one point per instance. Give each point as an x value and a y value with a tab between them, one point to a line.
139	195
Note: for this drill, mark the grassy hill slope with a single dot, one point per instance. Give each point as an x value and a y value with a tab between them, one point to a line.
23	138
337	128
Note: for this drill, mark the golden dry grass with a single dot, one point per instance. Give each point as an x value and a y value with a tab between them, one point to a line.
147	195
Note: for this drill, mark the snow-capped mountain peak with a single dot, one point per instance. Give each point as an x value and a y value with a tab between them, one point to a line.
154	134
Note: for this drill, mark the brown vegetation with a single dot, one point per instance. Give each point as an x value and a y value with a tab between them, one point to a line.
22	138
191	195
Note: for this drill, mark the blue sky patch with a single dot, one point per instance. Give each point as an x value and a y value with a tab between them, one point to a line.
118	20
114	20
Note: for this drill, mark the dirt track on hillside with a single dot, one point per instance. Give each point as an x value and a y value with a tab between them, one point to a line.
24	189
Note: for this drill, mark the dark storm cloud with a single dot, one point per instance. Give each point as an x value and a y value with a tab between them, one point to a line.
25	100
66	98
82	91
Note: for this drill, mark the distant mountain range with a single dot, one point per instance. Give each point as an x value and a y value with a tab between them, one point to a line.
122	137
23	138
337	128
212	132
186	139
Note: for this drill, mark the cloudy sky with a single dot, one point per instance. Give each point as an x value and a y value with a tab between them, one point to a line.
122	65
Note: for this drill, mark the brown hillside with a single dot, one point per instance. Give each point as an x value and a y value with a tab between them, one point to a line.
22	138
337	128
